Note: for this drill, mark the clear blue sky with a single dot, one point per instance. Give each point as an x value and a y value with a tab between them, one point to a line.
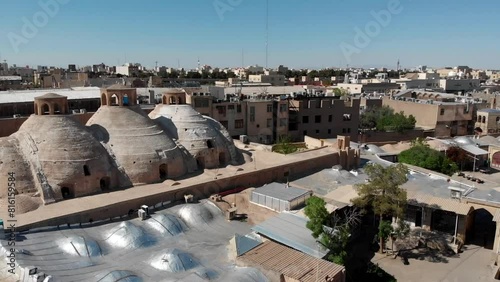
301	33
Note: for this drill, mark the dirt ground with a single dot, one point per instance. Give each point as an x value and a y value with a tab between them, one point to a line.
255	214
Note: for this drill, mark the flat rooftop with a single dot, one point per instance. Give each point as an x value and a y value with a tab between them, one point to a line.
281	191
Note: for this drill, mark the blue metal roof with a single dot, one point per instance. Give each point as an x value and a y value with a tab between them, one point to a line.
290	230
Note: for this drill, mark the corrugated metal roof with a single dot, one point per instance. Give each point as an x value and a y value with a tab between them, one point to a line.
451	205
244	244
281	191
10	78
29	95
293	264
291	230
476	151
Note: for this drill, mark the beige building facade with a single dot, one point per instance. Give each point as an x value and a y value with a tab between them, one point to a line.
447	119
488	120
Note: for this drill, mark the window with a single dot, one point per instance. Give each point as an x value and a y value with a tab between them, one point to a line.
317	119
330	118
347	117
252	114
283	108
210	144
344	130
201	103
283	122
238	108
329	131
86	170
317	131
269	108
304	133
498	119
442	112
269	122
221	110
478	118
230	107
238	123
348	130
305	119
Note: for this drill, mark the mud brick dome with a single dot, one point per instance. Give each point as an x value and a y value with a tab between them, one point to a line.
142	149
202	137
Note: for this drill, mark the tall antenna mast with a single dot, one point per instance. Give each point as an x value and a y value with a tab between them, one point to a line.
267	31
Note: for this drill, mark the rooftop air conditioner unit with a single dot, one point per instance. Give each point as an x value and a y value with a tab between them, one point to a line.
16	116
145	208
83	111
142	214
456	193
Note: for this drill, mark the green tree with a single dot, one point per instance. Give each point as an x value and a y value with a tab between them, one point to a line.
382	193
384	119
284	146
421	155
339	92
316	211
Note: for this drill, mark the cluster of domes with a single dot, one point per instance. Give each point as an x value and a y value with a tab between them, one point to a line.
54	156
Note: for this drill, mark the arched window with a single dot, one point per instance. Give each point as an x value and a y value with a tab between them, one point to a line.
104	100
164	100
478	118
125	100
66	193
484	119
57	110
163	171
498	119
210	144
86	170
45	109
114	100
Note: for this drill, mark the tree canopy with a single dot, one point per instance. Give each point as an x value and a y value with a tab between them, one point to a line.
383	194
420	154
316	211
384	119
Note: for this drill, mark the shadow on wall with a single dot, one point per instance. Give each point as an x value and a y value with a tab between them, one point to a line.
100	133
236	156
168	125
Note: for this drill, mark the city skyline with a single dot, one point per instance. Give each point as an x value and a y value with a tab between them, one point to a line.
223	33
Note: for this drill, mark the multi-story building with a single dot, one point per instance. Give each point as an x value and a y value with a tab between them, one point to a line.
263	120
459	85
447	119
354	88
273	79
128	69
323	117
488	121
10	83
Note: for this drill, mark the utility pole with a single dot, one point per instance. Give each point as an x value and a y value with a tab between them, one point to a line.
267	31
